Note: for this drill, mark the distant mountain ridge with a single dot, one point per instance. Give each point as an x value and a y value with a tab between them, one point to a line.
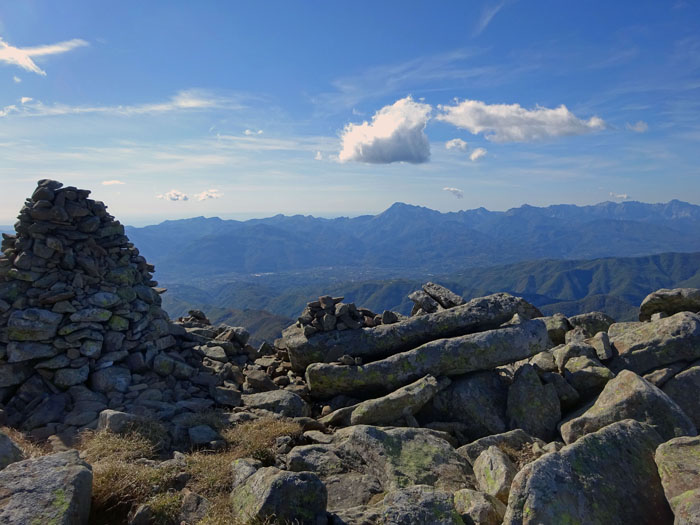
410	238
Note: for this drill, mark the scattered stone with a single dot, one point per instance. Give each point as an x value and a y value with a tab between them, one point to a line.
670	302
420	505
494	473
279	401
479	508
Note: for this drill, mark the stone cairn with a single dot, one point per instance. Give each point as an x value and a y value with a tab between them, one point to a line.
82	330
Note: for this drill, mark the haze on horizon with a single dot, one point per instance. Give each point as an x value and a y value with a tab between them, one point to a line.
240	110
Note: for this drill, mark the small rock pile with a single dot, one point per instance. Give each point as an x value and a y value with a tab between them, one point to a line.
433	298
330	313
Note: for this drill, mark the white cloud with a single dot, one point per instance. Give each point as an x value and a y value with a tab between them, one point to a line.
112	182
638	127
173	195
487	14
456	144
22	57
396	134
513	123
253	132
619	196
182	101
16	79
208	194
477	154
24	100
455	191
318	156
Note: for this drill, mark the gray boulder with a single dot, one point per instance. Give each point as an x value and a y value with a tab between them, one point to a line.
684	389
281	402
446	298
53	489
587	375
533	406
270	493
33	324
670	302
605	477
9	451
479	314
494	472
592	322
362	461
478	508
444	357
516	439
678	461
646	346
420	505
629	396
390	408
557	326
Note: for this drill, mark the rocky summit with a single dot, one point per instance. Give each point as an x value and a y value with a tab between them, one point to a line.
479	411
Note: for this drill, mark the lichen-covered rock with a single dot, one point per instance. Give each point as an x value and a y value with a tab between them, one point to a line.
444	357
601	343
479	508
557	326
361	457
9	451
587	375
670	302
678	461
533	406
494	472
420	505
684	389
53	489
479	314
629	396
270	493
33	324
606	477
646	346
390	408
442	295
281	402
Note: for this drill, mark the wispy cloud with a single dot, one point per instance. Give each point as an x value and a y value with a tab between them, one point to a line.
396	134
112	182
477	154
187	100
208	194
487	14
638	127
455	191
16	79
253	132
173	195
24	100
513	123
318	156
22	57
456	144
619	196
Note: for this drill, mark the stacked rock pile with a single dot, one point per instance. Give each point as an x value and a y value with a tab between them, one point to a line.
82	330
330	313
433	298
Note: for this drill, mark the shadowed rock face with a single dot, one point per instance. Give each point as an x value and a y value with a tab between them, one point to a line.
670	302
444	357
605	477
477	315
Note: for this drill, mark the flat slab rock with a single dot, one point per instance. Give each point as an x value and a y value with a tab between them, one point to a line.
53	489
478	314
605	477
444	357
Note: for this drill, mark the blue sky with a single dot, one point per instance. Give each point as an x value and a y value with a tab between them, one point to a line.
340	108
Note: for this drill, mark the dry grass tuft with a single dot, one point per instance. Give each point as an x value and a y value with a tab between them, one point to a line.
29	448
165	507
108	446
520	457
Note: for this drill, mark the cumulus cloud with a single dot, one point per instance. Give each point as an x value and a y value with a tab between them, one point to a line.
638	127
208	194
253	132
396	134
112	182
318	156
477	154
173	195
513	123
619	196
22	57
24	100
456	144
455	191
16	79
